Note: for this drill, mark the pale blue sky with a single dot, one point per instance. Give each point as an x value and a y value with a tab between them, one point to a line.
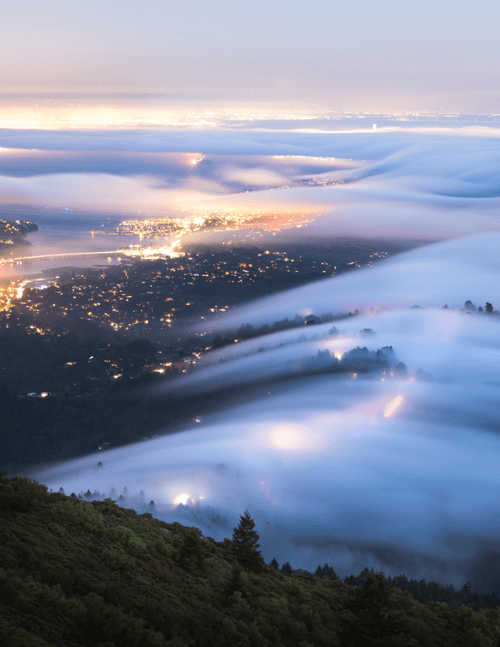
346	55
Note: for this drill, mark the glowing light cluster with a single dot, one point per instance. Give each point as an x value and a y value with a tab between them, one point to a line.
294	438
183	498
392	406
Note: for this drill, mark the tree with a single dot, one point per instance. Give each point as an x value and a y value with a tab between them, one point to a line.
245	543
326	572
489	308
217	342
191	555
371	616
274	564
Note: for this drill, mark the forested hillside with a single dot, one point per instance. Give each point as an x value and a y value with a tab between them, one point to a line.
74	573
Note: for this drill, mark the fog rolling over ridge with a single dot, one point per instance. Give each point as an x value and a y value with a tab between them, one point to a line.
446	273
397	471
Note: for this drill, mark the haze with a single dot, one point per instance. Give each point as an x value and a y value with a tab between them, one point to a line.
365	57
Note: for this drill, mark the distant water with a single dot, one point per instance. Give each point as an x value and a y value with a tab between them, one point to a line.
62	232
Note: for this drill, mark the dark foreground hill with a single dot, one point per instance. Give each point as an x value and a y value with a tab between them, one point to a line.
74	573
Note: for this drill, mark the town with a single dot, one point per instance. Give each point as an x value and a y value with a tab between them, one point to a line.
101	336
13	234
163	298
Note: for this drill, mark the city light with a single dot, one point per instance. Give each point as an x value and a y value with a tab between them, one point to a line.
392	406
182	498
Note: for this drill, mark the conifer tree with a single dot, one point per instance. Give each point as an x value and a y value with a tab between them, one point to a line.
372	617
245	543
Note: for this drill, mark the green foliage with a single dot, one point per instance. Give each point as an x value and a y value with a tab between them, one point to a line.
94	574
373	616
190	555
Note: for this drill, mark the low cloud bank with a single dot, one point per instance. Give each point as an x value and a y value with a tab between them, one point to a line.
390	184
327	472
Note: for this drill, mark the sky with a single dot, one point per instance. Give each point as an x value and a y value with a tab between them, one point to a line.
364	56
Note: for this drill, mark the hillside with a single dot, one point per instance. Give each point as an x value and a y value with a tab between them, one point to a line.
74	573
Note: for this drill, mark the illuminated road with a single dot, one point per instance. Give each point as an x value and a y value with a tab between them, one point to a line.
48	257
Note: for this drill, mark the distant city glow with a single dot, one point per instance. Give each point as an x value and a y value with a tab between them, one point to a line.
196	160
183	498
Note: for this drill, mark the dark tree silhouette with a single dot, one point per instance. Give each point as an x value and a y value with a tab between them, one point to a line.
191	555
373	616
326	572
274	564
245	543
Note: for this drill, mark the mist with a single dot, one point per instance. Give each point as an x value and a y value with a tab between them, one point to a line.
328	476
421	184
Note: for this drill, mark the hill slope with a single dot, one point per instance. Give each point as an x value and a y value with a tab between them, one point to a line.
74	573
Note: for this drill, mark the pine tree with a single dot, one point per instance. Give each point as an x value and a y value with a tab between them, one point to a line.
373	616
274	564
245	543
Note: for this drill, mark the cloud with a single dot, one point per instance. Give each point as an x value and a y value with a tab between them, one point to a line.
359	145
104	193
255	176
329	473
398	184
443	273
